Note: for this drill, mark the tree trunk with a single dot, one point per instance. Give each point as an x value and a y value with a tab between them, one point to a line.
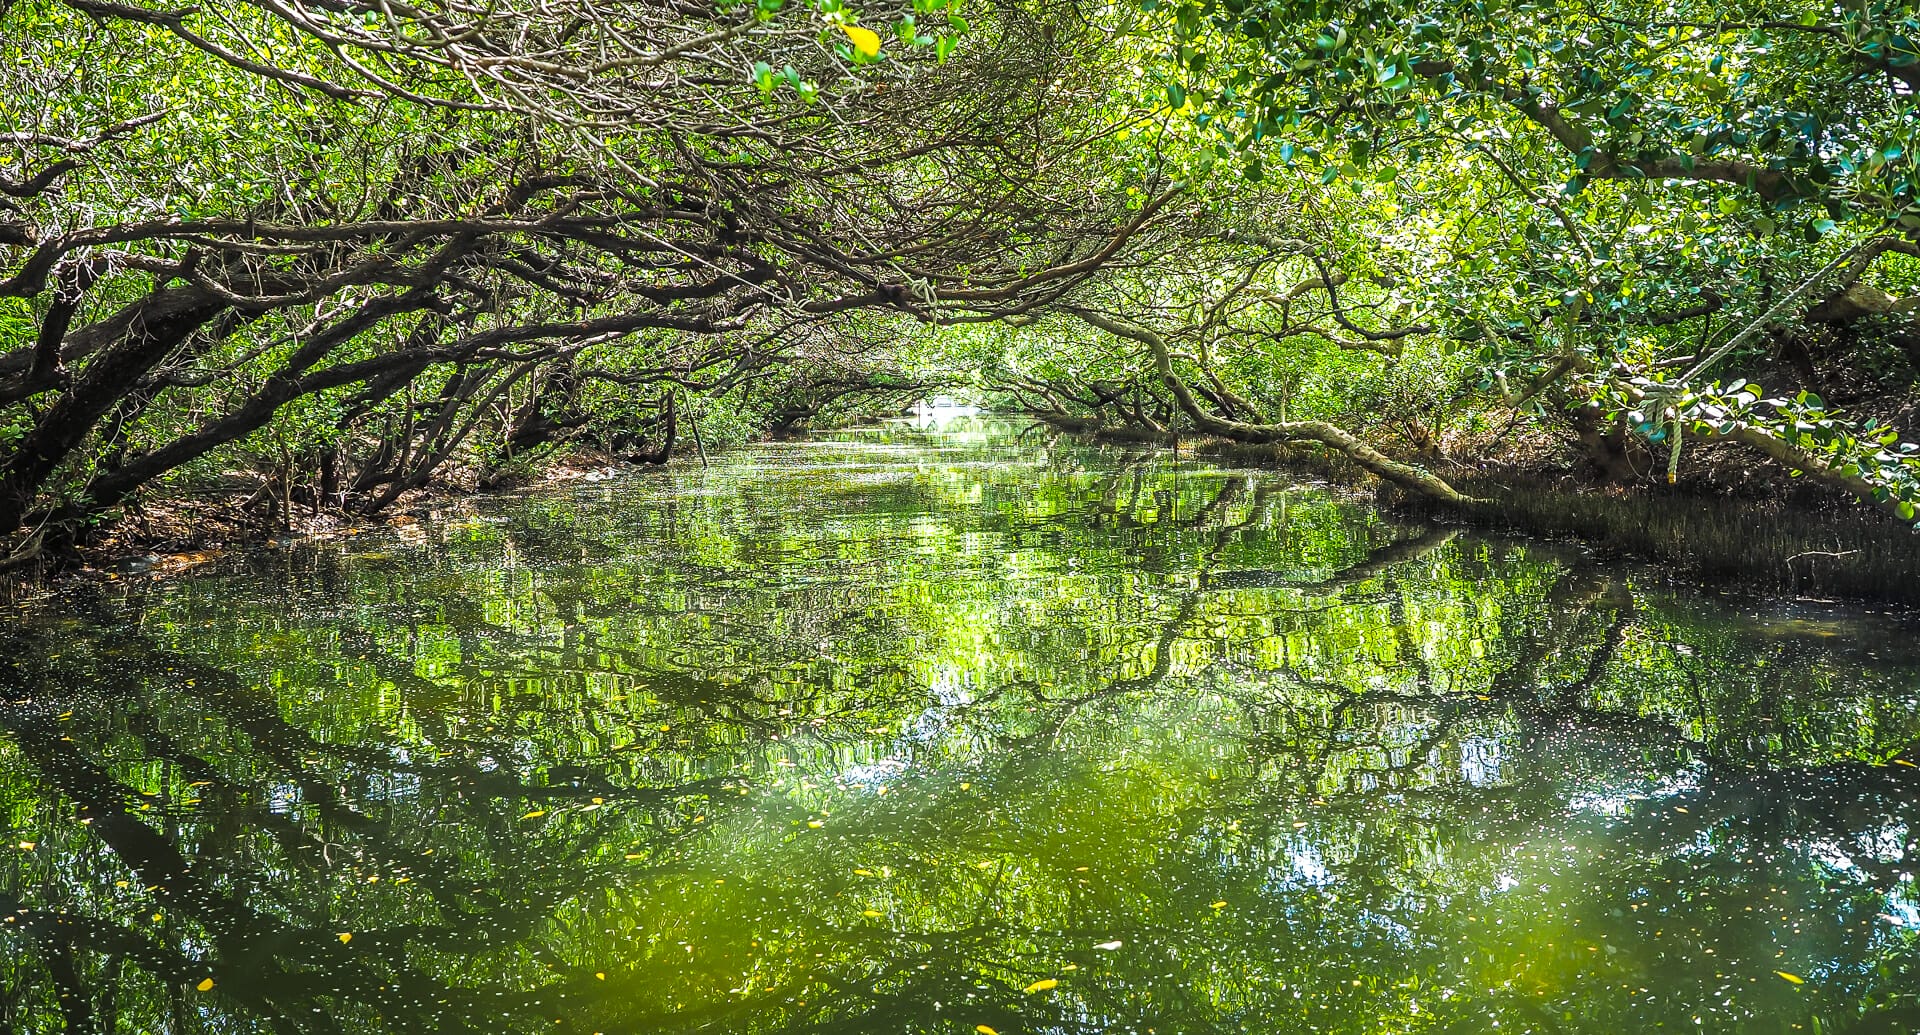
1407	476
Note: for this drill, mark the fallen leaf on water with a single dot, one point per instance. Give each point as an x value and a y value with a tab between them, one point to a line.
815	824
599	975
535	814
1222	904
872	912
206	984
863	873
1110	946
984	1030
345	937
1904	762
1795	978
1040	986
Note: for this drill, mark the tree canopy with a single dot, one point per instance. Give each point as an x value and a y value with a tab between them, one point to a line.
322	253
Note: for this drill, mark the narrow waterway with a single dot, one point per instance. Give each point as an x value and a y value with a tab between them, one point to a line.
955	731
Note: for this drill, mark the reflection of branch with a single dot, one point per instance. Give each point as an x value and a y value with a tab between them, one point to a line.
276	954
1399	552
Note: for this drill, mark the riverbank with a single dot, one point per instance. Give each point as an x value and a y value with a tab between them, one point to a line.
1801	547
171	534
1789	548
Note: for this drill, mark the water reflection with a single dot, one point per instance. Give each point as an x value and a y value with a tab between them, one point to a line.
952	732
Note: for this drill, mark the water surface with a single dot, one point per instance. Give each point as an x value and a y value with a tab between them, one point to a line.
952	731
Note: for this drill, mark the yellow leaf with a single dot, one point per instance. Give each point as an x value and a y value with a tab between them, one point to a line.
535	814
1902	761
872	912
864	40
815	824
863	873
600	975
1109	946
345	937
984	1030
1040	986
1222	904
1795	978
205	985
26	846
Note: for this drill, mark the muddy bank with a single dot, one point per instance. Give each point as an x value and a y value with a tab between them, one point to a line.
170	534
1803	545
1800	546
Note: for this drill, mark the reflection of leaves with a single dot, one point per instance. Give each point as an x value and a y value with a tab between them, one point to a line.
1260	698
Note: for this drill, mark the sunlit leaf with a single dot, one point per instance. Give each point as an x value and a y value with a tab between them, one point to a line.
866	41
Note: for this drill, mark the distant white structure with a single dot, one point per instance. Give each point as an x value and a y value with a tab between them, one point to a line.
940	409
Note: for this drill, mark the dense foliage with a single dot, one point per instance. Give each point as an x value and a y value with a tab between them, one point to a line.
313	256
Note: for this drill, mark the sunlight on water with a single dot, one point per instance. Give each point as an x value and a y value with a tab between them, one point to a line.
953	730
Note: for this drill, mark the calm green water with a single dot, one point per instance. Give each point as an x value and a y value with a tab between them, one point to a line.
904	732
